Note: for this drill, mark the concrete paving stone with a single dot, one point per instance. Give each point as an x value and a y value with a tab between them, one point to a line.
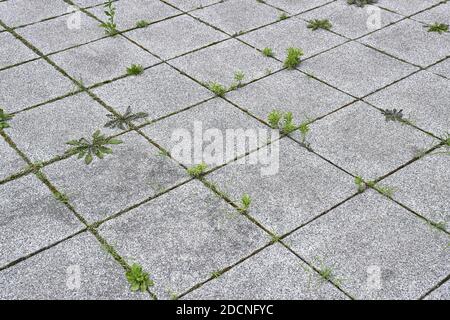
312	185
103	60
220	62
376	248
423	97
235	16
407	7
16	13
292	33
88	3
62	33
356	69
182	237
410	40
173	37
77	268
188	5
31	219
289	91
30	84
442	68
159	91
352	21
441	293
10	161
274	273
134	172
424	187
440	14
215	117
13	51
129	12
297	6
61	121
360	140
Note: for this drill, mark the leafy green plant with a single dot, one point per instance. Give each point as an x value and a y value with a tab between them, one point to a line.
274	118
124	122
88	149
288	123
395	115
359	181
245	203
138	279
293	57
135	69
142	23
361	3
4	118
319	24
268	52
304	131
238	77
282	121
110	26
217	88
216	274
198	170
438	27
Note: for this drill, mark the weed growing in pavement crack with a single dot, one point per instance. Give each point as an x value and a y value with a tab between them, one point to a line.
61	197
441	225
245	203
438	27
138	279
142	23
4	118
268	52
395	115
110	26
135	69
124	122
361	3
238	77
282	16
198	170
217	88
319	24
216	274
293	57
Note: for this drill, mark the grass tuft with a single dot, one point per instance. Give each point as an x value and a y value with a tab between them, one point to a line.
293	57
320	24
135	69
138	279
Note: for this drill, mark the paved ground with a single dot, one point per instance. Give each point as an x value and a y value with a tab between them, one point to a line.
71	230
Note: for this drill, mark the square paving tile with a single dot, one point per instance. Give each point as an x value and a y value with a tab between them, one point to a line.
53	274
219	63
423	97
61	121
215	119
182	237
424	186
360	140
173	37
10	161
441	293
274	273
235	16
296	6
110	185
129	12
87	3
13	51
356	69
30	84
442	68
292	33
289	91
159	91
32	219
187	5
376	248
440	14
61	33
300	186
352	21
103	60
407	7
410	40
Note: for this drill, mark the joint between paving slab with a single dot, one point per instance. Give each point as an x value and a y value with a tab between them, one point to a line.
442	282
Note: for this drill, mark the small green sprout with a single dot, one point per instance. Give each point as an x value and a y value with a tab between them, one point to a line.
288	123
238	77
293	57
217	89
274	118
216	274
110	26
245	203
282	16
135	69
61	197
268	52
142	23
4	118
124	122
138	279
304	130
360	183
198	170
361	3
319	24
438	27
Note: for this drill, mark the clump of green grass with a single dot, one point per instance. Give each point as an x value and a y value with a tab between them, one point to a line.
293	57
198	170
320	24
124	122
361	3
88	149
245	203
217	88
327	274
288	123
142	23
282	121
138	279
282	16
361	185
238	77
438	27
304	131
216	274
135	69
110	26
4	118
268	52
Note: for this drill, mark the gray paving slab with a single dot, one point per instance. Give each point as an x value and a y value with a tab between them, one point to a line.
360	140
289	91
30	84
410	40
441	293
87	3
356	69
62	33
173	37
10	161
108	186
220	62
103	60
377	249
442	68
292	33
423	97
159	91
297	6
313	186
423	186
440	14
75	269
61	121
188	5
31	219
407	7
217	118
13	51
274	273
129	12
235	16
352	21
182	237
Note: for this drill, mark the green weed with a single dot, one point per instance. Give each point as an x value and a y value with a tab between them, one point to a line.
124	122
110	26
138	279
293	57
